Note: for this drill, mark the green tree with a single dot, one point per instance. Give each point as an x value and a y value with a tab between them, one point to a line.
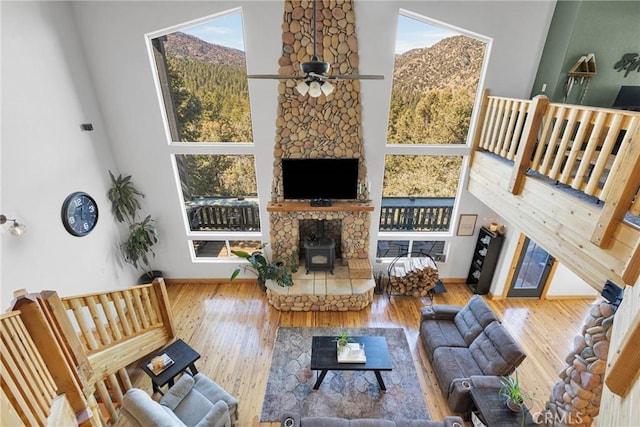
188	106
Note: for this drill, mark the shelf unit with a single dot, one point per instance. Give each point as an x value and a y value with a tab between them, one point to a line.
483	263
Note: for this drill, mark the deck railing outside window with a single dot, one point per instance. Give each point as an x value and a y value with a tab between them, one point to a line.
416	213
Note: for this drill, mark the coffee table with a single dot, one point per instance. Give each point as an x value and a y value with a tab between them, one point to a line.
324	357
184	358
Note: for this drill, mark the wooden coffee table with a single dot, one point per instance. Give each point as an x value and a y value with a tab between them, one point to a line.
324	357
184	358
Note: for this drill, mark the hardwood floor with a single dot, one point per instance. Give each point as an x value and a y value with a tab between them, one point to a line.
233	328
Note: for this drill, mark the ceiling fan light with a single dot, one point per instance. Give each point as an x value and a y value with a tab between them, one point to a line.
327	88
314	89
302	88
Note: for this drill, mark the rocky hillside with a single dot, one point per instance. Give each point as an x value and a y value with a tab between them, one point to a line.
183	46
454	62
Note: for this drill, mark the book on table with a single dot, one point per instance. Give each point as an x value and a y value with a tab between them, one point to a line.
157	368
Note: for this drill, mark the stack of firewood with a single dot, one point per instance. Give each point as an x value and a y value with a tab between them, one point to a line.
413	276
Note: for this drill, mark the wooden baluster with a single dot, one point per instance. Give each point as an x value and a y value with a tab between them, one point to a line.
585	162
128	300
483	116
561	154
529	138
576	146
122	317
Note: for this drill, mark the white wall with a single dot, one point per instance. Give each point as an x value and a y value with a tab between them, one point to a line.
563	283
49	94
46	94
566	284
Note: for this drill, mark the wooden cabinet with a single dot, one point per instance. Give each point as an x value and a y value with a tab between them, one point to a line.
483	263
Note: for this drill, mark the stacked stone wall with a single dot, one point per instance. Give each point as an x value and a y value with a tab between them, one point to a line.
354	235
575	398
328	126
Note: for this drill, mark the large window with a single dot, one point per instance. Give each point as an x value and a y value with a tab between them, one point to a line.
219	192
203	77
203	89
435	81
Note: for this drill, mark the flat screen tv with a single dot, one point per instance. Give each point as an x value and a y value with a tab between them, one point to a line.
320	179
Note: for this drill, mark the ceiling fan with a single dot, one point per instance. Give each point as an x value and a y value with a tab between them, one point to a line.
315	73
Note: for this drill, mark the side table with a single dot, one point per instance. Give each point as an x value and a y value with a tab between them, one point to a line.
184	358
493	412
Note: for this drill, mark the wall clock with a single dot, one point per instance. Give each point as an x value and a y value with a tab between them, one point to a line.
79	213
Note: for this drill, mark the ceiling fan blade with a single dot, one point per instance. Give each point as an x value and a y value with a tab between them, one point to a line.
274	76
356	77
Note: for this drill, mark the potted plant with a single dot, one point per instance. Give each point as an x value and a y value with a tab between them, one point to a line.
125	204
343	341
264	269
512	393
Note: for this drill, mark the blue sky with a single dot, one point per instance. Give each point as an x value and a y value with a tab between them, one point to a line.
227	31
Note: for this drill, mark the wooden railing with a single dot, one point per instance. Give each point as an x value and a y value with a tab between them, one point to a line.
415	214
589	149
29	393
212	217
101	334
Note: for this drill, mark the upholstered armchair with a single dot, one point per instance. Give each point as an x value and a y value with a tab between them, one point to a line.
192	401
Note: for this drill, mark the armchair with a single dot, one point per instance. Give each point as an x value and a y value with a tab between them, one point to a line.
192	401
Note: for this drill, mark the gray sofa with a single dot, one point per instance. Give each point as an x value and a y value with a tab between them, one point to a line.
295	420
467	346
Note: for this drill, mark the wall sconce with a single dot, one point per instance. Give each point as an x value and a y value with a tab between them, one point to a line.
314	88
16	228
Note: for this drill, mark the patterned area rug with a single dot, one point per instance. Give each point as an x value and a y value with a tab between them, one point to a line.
345	394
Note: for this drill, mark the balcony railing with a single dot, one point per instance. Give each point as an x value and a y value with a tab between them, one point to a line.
416	214
397	214
223	213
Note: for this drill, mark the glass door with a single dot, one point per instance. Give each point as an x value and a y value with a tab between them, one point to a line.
532	271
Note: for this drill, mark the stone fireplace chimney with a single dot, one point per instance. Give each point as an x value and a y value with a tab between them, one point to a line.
324	127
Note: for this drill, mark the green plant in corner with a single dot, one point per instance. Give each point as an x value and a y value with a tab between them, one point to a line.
278	271
125	203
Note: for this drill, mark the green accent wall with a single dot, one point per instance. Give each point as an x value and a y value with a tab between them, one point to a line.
609	29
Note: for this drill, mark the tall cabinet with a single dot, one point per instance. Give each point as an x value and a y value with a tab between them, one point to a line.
485	258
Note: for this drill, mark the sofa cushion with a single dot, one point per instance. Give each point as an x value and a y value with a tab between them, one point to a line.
450	363
496	351
473	318
214	392
440	333
143	411
193	408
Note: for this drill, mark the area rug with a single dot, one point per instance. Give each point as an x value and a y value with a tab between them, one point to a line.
345	394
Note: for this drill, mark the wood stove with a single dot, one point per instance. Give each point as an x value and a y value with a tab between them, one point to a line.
320	254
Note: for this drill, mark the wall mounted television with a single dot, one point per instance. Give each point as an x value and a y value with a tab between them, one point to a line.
320	179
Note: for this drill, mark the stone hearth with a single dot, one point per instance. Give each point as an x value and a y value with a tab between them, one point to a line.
322	291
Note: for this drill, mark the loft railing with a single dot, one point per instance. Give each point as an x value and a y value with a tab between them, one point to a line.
101	334
589	149
415	214
26	381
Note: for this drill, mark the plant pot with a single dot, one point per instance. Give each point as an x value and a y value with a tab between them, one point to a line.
148	276
513	406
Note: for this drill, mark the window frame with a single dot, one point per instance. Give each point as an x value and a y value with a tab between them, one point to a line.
459	150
